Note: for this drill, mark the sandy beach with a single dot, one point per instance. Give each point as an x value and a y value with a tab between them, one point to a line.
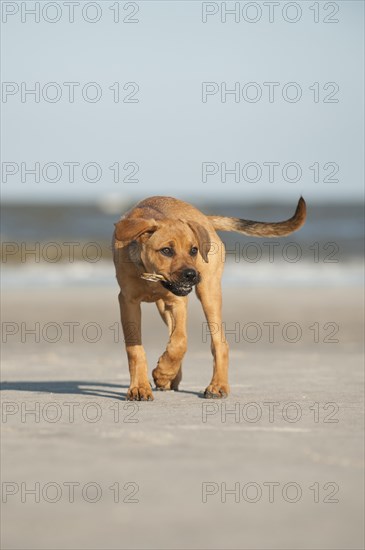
276	465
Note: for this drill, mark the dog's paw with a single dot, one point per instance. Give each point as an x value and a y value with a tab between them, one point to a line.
162	381
165	387
140	393
216	391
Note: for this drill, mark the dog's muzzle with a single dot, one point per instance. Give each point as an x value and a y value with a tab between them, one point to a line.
188	278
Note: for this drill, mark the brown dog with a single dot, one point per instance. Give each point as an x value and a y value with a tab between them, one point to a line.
176	247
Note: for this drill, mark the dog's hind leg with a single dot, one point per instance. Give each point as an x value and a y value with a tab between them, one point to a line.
168	373
165	314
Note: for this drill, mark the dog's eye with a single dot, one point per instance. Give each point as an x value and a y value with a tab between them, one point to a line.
167	251
193	251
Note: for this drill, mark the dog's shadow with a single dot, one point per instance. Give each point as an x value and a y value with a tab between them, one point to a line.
80	387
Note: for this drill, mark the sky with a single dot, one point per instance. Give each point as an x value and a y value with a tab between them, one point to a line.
182	98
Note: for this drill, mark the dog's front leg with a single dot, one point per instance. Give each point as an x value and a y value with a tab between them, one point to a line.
140	388
210	295
167	374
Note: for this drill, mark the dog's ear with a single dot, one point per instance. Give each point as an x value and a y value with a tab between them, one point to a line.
203	238
129	229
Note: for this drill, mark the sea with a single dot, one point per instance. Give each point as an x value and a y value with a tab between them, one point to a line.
67	245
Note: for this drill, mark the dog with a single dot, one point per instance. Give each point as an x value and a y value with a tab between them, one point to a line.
162	249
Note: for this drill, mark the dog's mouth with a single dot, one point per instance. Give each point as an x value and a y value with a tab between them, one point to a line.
179	289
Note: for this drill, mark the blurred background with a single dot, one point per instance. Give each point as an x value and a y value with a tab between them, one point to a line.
121	109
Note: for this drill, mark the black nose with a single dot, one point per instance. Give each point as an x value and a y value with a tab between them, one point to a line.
189	275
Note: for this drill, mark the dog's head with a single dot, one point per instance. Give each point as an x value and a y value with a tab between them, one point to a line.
166	247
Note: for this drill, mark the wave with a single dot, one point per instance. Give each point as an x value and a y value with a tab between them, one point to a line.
260	274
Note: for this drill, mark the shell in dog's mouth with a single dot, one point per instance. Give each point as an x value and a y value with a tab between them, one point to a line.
152	277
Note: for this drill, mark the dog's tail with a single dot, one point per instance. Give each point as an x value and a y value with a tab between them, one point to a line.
262	229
